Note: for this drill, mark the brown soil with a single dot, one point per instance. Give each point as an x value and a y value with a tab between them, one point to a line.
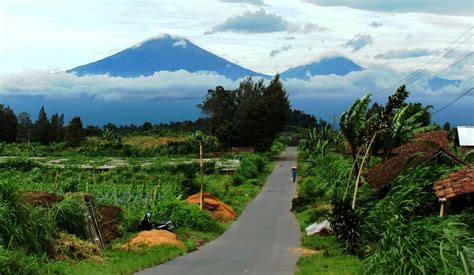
109	215
41	198
218	209
70	248
152	238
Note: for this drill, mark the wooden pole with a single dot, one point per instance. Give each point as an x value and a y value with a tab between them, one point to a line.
201	164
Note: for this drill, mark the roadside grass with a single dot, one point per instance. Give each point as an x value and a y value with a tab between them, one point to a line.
331	258
124	262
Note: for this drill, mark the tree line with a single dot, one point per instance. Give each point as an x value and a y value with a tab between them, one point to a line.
44	130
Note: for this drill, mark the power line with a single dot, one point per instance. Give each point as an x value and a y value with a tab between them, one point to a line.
452	102
418	71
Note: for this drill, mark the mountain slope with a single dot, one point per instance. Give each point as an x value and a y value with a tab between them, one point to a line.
438	83
166	53
337	65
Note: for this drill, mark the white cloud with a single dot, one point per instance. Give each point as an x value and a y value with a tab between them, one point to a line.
253	22
273	53
253	2
359	41
458	7
375	24
404	53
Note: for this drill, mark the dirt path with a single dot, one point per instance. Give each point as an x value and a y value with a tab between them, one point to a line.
258	242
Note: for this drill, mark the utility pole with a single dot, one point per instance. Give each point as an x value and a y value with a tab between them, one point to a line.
201	164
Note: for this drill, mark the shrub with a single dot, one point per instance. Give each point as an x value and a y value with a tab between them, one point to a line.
345	224
183	214
69	215
428	246
22	226
18	262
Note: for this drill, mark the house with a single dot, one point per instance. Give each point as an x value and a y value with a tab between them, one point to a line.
466	138
457	188
424	147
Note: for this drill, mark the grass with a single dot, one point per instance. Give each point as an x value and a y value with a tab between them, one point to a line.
331	259
124	262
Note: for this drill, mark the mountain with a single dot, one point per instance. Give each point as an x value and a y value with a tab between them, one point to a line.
165	53
438	83
337	65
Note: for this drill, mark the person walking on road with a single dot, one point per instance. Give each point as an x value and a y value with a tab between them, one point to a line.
293	173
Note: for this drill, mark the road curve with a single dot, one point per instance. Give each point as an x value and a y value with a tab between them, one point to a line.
257	242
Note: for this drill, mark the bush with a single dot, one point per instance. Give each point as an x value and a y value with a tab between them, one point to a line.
428	246
250	167
22	226
69	215
18	262
183	214
345	224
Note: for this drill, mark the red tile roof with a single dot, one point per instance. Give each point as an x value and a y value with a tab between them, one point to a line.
440	138
458	183
408	155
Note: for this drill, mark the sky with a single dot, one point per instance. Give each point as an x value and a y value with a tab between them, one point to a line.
389	38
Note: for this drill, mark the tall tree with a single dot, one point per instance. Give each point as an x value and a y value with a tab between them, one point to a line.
277	105
42	128
8	124
220	106
75	133
25	126
57	128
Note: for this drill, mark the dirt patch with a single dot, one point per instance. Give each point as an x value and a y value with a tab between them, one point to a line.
44	199
303	251
109	218
152	238
70	248
218	209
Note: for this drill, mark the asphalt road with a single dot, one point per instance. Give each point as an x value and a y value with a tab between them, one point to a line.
257	242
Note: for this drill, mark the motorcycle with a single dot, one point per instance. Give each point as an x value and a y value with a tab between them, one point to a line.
148	224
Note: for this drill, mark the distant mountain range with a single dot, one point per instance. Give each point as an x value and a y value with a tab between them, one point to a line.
171	53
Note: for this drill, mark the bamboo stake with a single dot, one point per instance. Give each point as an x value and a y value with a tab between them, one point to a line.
202	178
360	170
352	170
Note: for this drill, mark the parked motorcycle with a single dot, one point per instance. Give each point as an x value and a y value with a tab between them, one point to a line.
148	224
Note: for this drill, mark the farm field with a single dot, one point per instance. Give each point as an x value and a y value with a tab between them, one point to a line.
50	191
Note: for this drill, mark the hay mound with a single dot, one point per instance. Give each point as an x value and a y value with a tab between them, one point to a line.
70	248
303	251
152	238
217	208
41	198
109	216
